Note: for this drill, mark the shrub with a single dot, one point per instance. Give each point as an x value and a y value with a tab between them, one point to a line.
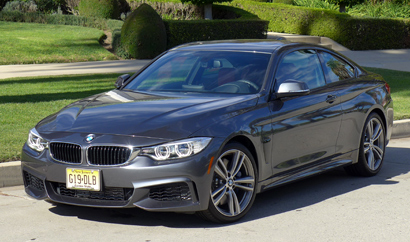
3	3
143	34
180	32
99	8
172	10
381	10
49	6
20	6
116	44
72	6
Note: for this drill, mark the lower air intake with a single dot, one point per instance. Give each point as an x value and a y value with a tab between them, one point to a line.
108	193
33	181
171	192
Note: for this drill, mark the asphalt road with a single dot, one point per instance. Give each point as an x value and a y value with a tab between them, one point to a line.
329	207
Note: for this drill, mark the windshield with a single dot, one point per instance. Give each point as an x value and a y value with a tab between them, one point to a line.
204	71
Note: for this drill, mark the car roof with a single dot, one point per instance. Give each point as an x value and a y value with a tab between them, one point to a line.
264	46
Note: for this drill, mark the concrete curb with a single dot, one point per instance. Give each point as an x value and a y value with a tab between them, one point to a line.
401	129
10	172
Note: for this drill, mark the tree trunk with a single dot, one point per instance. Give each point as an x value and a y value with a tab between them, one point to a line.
342	8
208	11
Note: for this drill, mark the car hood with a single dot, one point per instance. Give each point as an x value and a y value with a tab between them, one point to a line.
139	114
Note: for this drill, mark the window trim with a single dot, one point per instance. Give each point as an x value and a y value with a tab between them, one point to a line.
284	54
339	58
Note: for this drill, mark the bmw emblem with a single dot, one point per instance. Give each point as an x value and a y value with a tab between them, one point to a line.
89	138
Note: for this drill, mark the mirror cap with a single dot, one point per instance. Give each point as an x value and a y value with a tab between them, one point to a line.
291	88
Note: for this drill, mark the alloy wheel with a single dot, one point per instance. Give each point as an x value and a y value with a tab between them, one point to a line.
233	183
373	144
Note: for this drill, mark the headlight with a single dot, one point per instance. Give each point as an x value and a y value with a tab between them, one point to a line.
35	141
178	149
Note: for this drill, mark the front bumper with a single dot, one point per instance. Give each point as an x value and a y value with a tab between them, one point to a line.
143	183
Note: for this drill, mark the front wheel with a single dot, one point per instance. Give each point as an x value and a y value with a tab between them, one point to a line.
233	185
372	147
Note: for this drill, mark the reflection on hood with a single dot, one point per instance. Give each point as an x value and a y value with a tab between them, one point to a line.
129	113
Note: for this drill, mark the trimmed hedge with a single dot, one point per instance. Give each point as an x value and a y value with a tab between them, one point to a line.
180	32
99	8
353	32
143	34
98	23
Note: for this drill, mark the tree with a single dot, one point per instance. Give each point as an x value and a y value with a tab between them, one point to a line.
207	5
343	3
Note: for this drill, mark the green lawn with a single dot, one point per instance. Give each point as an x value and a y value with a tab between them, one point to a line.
29	43
399	82
25	101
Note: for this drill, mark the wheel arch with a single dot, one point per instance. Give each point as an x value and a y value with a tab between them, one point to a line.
248	144
381	115
377	111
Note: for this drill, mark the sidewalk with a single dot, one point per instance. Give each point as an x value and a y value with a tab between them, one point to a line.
398	60
53	69
10	172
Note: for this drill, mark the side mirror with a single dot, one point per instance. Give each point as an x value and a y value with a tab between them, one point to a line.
121	80
291	88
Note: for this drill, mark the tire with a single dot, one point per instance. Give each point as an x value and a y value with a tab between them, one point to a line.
233	185
372	148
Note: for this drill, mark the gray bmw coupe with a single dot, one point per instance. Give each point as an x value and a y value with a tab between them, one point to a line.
206	126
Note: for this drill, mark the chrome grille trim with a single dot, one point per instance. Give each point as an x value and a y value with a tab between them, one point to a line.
108	155
65	152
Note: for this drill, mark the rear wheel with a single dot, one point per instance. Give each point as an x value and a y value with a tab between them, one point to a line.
372	147
233	185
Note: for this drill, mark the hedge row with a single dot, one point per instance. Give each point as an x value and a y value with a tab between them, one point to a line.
180	32
98	23
353	32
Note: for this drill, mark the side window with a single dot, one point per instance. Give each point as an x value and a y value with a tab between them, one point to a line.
301	65
336	69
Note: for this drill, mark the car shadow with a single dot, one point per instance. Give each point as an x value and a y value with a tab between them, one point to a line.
292	197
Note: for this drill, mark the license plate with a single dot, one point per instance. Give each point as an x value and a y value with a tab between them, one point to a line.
82	179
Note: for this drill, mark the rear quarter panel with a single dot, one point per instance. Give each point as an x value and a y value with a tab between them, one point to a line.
360	97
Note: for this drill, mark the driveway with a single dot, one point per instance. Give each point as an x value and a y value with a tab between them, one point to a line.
329	207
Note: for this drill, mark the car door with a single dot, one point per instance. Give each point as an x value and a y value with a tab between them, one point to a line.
305	128
350	85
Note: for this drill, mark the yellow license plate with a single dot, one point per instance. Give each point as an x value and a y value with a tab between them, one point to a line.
82	179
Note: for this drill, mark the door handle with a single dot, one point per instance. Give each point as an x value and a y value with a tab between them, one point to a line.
331	98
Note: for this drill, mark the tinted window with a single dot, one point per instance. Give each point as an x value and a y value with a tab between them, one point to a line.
336	69
302	65
204	71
